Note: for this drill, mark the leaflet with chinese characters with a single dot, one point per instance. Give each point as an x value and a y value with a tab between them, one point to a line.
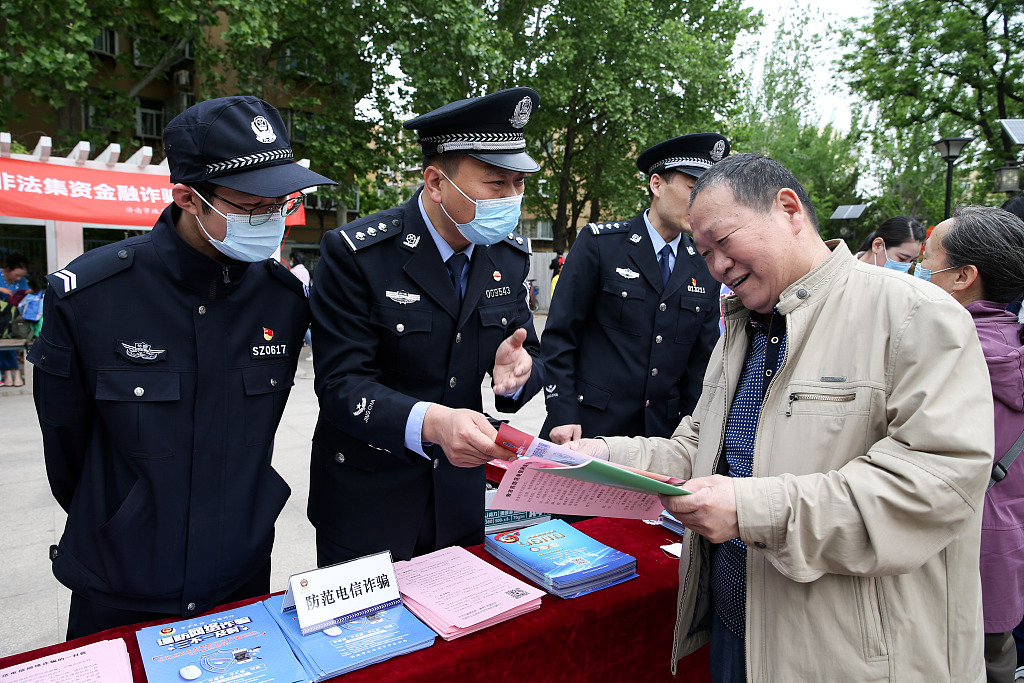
103	662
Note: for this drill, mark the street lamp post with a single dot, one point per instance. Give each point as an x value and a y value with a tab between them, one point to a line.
950	149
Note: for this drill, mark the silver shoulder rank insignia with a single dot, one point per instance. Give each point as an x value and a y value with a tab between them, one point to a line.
402	297
627	273
521	114
635	238
718	150
690	251
372	232
411	240
382	227
360	236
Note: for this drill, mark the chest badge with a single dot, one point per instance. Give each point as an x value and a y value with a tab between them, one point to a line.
140	352
694	287
497	276
627	273
268	334
402	297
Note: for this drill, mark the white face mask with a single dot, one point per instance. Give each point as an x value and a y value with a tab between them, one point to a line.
245	242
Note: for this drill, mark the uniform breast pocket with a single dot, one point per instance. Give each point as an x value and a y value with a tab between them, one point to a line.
140	408
495	324
620	306
693	311
404	332
266	389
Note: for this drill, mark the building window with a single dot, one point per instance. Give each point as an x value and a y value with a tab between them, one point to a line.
106	43
177	103
536	229
149	118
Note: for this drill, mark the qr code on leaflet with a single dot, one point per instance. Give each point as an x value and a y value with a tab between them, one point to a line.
581	561
516	593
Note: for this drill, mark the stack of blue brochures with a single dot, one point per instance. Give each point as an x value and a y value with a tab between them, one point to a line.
242	644
671	523
353	644
560	559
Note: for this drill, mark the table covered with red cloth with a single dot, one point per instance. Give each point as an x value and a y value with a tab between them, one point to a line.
621	633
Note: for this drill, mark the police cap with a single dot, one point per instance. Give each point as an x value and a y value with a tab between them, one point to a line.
488	128
237	142
690	154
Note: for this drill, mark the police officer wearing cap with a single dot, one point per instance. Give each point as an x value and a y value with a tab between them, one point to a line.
163	367
635	316
411	308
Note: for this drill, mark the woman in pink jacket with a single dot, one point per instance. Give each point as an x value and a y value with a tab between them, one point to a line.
978	257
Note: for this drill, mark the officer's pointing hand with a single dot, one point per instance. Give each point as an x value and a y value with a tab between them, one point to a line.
465	436
512	364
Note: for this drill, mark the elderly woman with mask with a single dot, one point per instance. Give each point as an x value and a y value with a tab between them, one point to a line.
978	257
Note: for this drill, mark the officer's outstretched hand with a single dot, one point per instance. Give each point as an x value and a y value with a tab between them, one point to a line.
465	436
595	448
566	433
512	365
710	511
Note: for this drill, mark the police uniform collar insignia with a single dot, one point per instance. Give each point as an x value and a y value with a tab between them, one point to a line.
140	352
635	238
690	251
402	297
411	241
521	114
627	273
264	131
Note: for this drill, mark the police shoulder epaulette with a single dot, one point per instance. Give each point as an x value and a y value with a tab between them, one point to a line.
285	277
608	228
520	242
90	268
371	230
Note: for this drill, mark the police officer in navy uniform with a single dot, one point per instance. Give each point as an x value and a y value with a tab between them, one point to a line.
163	367
411	308
635	315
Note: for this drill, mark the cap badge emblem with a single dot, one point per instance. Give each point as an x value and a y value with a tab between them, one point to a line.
521	114
627	273
411	240
718	151
635	238
264	132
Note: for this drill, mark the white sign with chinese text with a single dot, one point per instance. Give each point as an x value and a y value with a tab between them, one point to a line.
342	592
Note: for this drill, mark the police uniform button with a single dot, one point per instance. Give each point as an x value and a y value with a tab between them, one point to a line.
339	457
452	382
458	337
654	372
191	606
400	327
697	308
42	360
759	544
139	391
437	462
122	254
657	340
273	382
579	399
202	310
801	294
504	321
647	403
662	307
625	294
394	222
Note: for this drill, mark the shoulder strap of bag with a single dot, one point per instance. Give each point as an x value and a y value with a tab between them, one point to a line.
1000	468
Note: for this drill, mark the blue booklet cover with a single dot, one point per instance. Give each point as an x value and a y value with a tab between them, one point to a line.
558	556
239	645
353	644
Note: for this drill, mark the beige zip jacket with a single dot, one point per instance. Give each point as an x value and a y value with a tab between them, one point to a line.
863	516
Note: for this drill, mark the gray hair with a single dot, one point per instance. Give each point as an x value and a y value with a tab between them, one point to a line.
992	240
755	180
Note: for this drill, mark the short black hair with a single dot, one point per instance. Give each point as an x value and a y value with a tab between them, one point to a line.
16	260
895	232
755	180
448	162
668	175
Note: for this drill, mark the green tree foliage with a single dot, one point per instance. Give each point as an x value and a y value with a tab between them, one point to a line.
949	67
780	118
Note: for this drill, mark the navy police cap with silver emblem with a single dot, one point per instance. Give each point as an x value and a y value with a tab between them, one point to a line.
488	128
690	154
236	142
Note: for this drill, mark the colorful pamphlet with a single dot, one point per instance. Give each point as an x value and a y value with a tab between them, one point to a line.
105	661
354	644
241	644
561	559
506	520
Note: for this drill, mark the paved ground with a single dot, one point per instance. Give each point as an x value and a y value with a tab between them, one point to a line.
33	606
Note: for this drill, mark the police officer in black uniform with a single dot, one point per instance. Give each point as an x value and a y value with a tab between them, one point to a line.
163	367
411	307
635	315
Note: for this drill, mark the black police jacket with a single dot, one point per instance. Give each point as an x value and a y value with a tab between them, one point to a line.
161	377
624	356
387	332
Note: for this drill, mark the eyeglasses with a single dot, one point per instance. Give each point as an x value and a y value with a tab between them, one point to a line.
263	213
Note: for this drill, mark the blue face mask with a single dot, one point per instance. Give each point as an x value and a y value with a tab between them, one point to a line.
493	219
245	242
901	266
925	274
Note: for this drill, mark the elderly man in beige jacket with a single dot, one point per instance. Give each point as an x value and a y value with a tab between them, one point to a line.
838	456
